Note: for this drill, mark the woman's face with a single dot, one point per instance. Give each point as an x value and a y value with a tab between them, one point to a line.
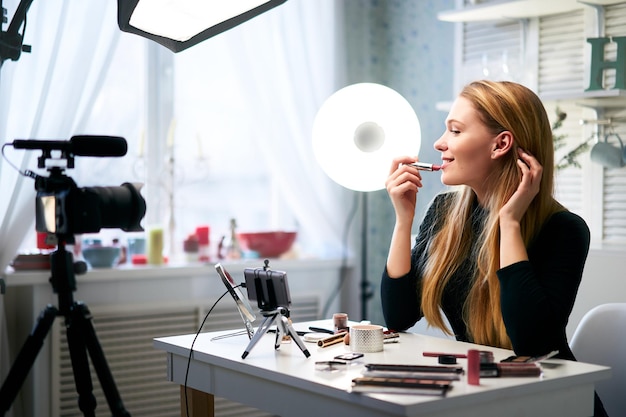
466	148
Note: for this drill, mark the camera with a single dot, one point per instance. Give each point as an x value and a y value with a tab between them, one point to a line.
63	208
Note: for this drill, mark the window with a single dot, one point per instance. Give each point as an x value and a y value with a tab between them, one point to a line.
222	130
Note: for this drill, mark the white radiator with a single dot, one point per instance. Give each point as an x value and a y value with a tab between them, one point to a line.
139	371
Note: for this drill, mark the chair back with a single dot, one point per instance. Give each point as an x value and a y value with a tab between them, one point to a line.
600	338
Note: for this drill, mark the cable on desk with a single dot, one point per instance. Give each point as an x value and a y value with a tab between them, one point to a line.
191	347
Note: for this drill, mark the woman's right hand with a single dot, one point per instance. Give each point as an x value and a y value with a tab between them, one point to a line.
403	184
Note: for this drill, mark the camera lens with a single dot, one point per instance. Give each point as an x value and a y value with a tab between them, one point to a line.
95	208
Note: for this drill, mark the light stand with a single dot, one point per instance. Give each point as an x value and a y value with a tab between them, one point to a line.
283	328
366	287
81	338
356	134
11	41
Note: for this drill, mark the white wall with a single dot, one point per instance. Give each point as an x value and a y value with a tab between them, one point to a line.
604	281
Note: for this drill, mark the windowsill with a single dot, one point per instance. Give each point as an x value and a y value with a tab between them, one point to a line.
152	272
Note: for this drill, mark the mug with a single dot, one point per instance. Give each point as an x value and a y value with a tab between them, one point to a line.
607	155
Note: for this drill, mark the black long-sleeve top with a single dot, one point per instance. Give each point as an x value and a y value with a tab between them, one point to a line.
537	296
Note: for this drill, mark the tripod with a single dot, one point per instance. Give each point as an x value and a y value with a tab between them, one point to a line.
81	338
283	328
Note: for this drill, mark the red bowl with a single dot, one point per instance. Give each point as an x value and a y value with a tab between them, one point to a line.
267	244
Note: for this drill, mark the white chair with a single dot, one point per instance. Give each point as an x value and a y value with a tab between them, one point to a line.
600	338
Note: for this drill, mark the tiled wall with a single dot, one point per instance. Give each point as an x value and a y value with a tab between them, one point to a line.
401	44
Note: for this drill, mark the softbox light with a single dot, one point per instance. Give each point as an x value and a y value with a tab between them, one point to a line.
180	24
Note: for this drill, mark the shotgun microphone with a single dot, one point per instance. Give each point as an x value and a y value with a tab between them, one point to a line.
81	145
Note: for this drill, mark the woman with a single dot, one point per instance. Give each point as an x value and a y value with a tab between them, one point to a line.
499	256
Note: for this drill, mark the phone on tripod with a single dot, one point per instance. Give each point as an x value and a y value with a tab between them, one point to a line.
270	289
271	292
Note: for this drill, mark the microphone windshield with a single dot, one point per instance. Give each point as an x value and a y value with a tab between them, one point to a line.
85	145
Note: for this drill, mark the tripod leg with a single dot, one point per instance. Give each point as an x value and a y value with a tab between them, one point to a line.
99	361
263	328
80	364
25	358
294	335
281	331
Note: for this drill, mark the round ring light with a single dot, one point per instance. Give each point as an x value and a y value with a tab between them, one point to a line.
359	130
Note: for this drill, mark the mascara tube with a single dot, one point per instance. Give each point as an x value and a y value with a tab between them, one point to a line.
424	166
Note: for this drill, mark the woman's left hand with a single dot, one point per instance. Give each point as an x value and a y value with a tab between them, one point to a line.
528	188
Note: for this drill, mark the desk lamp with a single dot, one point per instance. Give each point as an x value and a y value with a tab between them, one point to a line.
356	134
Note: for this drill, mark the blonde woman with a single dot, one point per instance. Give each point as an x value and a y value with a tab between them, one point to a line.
498	255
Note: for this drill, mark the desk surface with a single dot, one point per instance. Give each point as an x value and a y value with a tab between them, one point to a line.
286	383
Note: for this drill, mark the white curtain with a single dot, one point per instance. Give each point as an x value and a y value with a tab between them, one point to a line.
262	84
50	94
45	95
301	72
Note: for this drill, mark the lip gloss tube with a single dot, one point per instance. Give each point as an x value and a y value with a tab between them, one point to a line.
473	367
424	166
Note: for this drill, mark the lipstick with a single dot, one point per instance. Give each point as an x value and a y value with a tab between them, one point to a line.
331	340
423	166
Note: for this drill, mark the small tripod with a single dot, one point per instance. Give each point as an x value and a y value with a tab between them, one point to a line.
81	337
283	328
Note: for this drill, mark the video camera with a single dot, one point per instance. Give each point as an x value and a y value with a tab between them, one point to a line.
65	209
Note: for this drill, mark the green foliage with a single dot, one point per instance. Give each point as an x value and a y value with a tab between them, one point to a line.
570	159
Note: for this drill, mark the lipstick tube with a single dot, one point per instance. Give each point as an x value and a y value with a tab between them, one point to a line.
331	340
424	166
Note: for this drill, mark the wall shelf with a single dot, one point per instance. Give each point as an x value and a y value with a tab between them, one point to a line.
596	99
592	99
516	9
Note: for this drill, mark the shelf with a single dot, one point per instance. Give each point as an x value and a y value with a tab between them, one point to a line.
595	99
604	99
516	9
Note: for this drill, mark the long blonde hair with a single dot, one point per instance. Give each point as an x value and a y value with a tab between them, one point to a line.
502	106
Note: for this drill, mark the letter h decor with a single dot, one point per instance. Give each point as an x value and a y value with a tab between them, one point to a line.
599	65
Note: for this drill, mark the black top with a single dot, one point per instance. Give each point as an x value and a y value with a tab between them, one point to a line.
537	295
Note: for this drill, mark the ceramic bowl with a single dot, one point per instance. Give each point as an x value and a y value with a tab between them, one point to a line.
267	244
102	256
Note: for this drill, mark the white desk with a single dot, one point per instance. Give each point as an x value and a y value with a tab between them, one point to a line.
285	382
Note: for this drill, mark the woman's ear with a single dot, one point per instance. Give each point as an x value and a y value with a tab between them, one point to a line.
503	144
